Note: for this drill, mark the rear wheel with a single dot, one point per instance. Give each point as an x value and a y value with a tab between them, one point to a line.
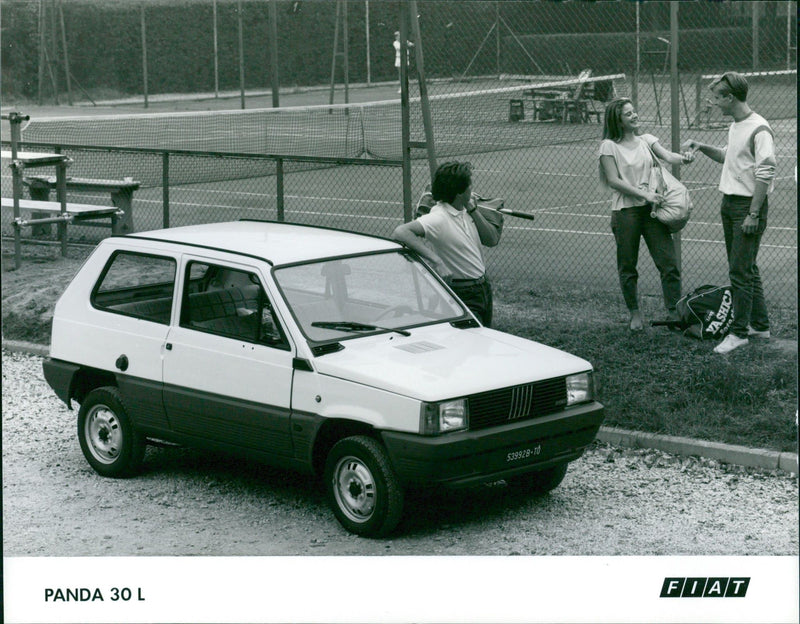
362	488
106	435
539	482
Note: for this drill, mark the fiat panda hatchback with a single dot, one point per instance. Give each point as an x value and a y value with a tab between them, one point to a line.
338	354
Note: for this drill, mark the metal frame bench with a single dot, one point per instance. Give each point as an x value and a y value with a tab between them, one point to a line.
74	213
121	192
61	212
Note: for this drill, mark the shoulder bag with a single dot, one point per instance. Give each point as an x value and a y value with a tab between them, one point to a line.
675	210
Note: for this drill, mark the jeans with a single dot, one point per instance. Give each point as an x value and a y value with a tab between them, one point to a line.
749	306
478	298
629	226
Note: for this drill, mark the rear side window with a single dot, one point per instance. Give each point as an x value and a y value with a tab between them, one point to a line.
137	285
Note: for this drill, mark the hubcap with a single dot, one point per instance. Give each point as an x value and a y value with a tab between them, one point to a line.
103	434
354	489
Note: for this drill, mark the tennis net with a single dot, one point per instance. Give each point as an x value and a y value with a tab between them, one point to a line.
466	122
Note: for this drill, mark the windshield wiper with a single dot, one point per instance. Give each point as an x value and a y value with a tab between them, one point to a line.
351	326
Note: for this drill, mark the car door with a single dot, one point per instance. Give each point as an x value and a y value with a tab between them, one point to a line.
228	361
125	328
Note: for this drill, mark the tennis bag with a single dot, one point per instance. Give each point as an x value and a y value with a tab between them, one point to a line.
705	313
676	209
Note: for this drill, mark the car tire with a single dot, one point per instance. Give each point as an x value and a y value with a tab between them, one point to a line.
362	488
539	482
108	440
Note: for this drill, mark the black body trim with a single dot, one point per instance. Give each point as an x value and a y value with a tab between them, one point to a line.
59	375
468	457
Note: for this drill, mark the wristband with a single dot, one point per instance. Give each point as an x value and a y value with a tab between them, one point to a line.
753	215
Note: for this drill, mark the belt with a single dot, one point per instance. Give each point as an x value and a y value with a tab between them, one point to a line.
469	282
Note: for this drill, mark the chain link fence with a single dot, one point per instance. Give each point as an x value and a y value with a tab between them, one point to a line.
482	61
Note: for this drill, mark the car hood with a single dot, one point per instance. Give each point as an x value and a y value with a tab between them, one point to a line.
440	362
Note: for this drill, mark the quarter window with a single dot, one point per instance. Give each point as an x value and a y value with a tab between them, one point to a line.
137	285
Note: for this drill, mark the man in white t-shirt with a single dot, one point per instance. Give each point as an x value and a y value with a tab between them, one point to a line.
748	171
454	229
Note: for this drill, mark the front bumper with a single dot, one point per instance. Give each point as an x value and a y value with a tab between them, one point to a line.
466	458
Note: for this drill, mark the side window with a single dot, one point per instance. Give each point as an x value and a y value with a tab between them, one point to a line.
229	302
137	285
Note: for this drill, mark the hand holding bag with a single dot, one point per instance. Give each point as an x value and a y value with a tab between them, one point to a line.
675	210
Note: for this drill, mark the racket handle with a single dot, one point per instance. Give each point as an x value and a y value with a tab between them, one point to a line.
665	324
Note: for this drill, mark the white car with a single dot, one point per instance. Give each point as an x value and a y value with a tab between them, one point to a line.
335	353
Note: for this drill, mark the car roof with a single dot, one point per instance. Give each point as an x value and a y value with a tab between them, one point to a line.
278	243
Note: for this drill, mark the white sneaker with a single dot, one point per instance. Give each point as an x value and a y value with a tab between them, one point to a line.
757	333
731	342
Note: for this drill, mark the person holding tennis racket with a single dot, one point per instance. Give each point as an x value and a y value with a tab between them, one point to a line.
625	164
455	230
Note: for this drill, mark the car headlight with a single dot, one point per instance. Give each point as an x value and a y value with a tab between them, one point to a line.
580	388
443	417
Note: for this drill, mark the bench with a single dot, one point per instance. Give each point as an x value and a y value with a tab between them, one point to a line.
36	159
23	160
86	214
121	191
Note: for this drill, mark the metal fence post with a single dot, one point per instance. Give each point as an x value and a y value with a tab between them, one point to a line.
675	109
165	188
405	114
279	188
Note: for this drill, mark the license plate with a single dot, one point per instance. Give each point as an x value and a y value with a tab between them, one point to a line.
523	455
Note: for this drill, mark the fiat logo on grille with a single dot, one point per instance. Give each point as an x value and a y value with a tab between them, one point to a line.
521	401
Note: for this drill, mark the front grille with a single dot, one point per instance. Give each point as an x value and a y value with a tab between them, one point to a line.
499	407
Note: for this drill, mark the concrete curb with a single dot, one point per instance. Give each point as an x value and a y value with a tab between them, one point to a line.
18	346
728	453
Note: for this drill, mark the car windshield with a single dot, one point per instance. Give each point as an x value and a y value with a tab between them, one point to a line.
343	298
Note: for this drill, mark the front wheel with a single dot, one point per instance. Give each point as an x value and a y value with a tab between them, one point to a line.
362	488
106	435
539	482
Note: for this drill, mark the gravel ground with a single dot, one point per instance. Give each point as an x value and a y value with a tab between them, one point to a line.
186	502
